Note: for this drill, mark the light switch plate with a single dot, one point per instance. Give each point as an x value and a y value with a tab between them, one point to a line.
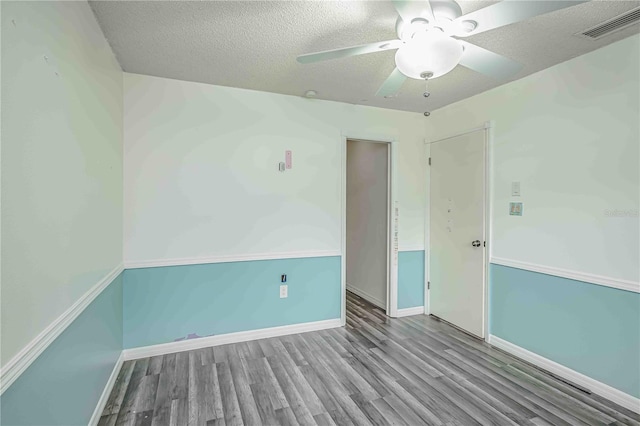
515	189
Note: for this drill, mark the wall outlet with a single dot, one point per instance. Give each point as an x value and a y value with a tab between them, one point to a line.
515	209
284	291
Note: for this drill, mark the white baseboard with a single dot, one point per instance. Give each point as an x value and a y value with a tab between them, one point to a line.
572	275
153	263
102	402
224	339
595	386
366	296
418	310
23	359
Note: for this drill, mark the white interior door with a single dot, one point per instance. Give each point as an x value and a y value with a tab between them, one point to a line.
456	261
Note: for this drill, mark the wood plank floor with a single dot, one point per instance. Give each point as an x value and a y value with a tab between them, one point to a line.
407	371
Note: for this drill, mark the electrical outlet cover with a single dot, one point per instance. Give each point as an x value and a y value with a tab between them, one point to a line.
284	291
515	209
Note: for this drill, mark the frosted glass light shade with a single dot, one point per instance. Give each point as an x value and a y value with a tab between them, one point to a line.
431	51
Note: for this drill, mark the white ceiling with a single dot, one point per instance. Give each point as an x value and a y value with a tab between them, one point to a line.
254	45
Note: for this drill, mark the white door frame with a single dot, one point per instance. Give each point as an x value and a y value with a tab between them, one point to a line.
488	128
392	224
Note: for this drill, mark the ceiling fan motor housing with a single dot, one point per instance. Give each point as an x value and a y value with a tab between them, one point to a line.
444	11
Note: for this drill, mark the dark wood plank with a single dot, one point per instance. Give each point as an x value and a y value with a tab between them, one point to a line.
140	368
324	419
260	372
285	417
180	384
145	399
263	402
390	415
126	415
213	399
216	422
230	405
155	365
179	412
114	402
108	420
207	356
293	397
248	405
143	418
162	404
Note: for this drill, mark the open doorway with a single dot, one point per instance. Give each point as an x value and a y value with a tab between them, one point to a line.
368	225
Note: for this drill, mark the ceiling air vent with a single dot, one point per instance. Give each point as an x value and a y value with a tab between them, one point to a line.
618	23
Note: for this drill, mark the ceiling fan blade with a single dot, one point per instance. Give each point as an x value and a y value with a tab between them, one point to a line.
487	62
392	84
411	9
510	11
349	51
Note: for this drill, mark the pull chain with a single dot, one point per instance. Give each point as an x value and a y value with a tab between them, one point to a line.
426	94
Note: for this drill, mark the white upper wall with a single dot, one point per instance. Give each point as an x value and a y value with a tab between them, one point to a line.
570	134
202	179
61	163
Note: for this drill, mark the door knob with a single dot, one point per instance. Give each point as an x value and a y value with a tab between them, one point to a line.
476	243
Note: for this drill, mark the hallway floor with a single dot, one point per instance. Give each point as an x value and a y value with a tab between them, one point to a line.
376	370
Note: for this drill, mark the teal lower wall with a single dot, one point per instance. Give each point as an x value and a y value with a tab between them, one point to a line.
64	384
410	279
166	304
589	328
592	329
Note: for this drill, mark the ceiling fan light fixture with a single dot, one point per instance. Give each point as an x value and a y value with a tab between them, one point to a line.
428	52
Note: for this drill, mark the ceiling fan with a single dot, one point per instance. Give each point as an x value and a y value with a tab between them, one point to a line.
429	41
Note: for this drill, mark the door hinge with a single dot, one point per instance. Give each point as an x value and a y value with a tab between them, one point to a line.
428	285
429	160
485	244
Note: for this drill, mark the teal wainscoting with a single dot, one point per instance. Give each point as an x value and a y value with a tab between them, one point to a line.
165	304
410	279
64	384
589	328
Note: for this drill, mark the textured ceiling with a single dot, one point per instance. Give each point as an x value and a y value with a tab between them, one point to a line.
254	45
